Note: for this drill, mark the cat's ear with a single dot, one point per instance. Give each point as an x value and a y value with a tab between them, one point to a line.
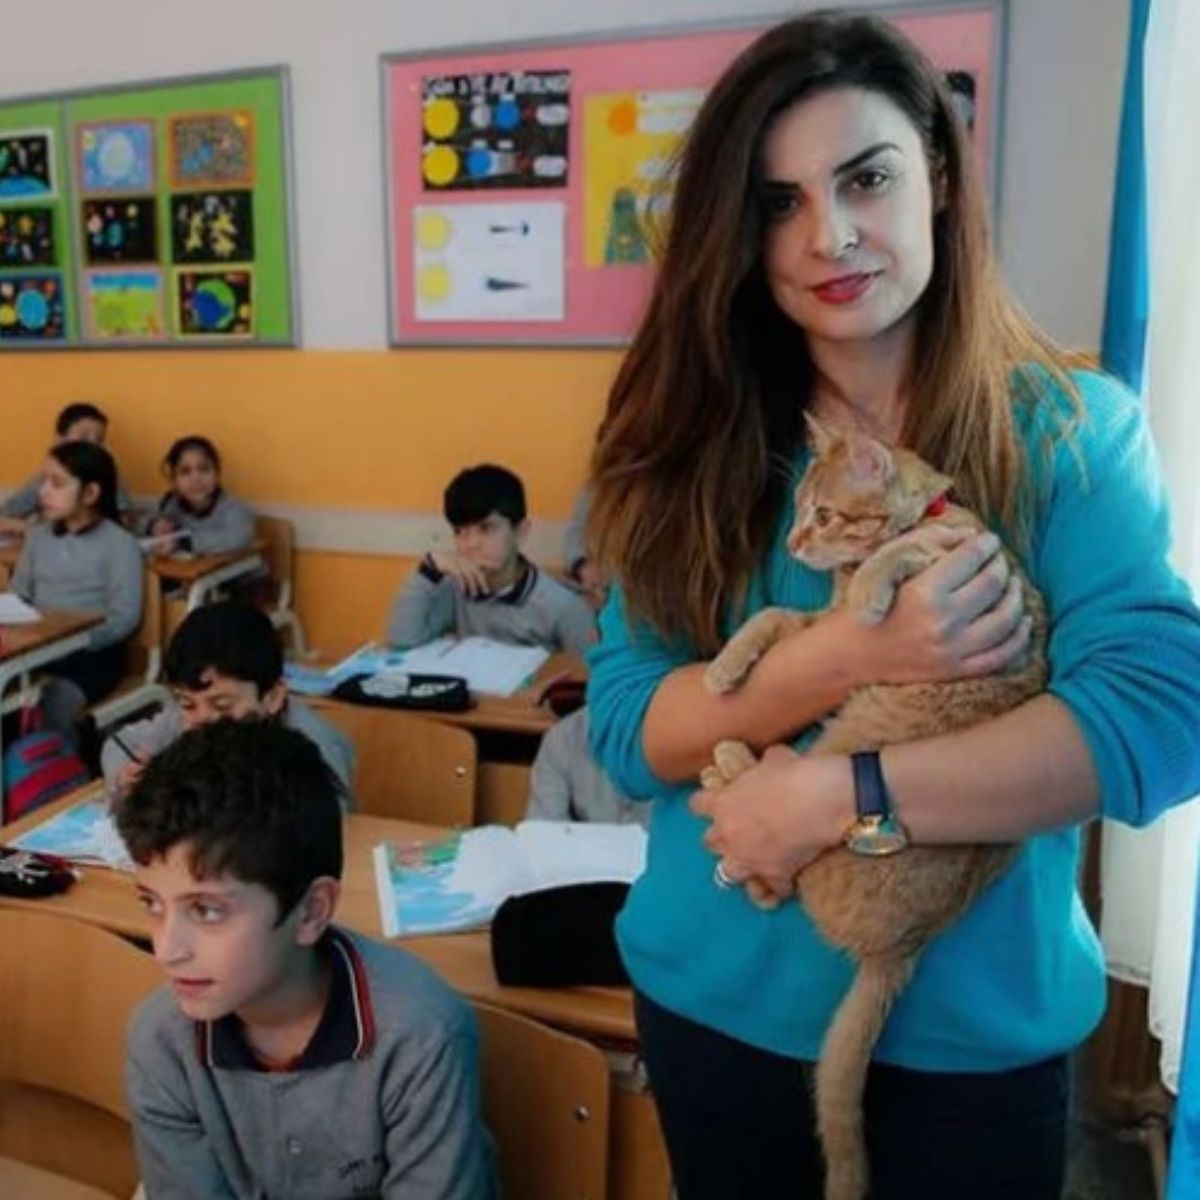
820	437
869	462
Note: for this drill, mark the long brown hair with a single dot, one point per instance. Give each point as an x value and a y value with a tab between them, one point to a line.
694	455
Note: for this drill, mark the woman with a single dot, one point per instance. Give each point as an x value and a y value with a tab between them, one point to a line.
828	252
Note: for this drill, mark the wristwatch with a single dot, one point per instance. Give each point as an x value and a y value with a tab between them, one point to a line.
875	831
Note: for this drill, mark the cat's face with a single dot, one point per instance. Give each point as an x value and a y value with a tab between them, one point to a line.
844	510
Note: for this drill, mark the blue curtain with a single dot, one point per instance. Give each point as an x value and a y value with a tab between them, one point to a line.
1123	345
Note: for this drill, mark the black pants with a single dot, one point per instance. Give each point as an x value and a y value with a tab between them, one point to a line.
94	672
739	1122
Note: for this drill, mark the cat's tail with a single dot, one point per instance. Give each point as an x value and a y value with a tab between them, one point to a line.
841	1075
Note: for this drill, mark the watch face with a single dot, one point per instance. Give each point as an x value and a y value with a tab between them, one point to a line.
876	837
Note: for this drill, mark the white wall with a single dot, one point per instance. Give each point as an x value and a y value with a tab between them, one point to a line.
1065	66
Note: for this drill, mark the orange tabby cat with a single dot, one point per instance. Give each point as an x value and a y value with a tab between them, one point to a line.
865	511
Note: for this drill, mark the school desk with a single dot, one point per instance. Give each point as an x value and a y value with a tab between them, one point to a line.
202	574
638	1165
25	648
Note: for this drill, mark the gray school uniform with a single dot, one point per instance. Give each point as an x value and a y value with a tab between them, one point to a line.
228	525
574	540
24	501
99	570
568	784
536	611
384	1102
156	733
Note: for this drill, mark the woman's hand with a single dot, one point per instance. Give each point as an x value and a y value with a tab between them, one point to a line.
963	616
775	819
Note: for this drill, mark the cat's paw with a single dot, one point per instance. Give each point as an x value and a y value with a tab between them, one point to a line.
727	672
870	598
711	778
732	759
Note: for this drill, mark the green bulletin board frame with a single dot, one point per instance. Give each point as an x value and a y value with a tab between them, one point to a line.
139	279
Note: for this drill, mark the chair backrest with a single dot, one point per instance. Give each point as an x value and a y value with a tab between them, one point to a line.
67	991
409	767
279	540
546	1100
146	645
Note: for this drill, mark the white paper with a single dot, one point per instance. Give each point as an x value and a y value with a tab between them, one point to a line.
489	262
14	610
563	852
84	833
491	667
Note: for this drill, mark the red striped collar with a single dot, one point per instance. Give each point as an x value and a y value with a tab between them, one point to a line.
346	1030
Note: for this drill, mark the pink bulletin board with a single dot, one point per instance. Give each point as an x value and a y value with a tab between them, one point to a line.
519	179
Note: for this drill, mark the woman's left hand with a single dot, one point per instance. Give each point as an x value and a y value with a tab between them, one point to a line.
772	821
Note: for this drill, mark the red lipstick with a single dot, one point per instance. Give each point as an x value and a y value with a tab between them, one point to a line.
845	289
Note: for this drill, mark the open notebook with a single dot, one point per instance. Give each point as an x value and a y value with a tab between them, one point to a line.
84	834
459	881
14	610
490	667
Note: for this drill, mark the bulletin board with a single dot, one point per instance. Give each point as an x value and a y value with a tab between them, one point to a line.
521	181
154	214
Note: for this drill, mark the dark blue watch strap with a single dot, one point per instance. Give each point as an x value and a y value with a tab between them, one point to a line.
871	797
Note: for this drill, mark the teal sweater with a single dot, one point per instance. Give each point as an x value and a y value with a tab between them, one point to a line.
1021	976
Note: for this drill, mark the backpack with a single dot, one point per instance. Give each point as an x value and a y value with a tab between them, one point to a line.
39	766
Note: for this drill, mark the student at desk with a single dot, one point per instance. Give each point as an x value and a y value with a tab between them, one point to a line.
487	586
80	422
207	518
568	784
223	661
79	557
286	1056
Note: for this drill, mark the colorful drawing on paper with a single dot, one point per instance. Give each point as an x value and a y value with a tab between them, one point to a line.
120	230
27	165
124	304
489	262
212	227
27	237
32	308
214	303
630	139
212	149
495	129
116	156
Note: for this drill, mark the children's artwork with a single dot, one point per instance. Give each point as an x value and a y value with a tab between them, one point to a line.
212	149
495	129
212	227
214	303
489	262
592	123
120	230
32	307
459	881
27	237
629	141
124	304
27	165
116	156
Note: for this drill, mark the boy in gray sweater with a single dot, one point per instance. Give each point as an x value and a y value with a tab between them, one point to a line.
223	661
285	1057
486	586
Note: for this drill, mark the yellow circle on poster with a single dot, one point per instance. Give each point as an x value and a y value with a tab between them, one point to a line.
433	230
441	117
434	283
440	166
8	315
622	117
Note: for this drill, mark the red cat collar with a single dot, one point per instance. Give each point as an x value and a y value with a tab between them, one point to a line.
937	508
